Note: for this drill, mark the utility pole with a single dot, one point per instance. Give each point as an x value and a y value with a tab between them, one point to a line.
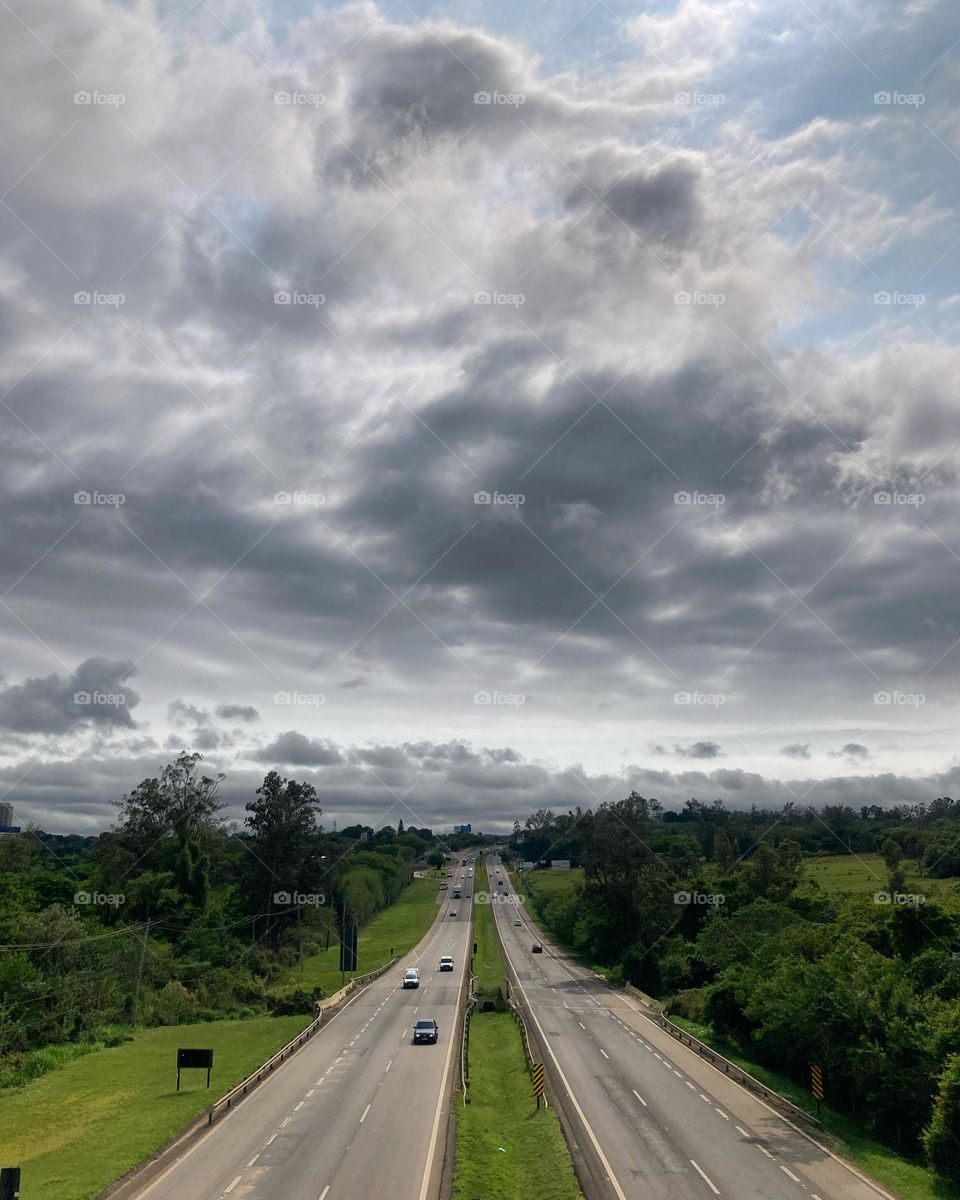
143	954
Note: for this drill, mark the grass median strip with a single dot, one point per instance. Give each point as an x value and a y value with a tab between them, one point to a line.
505	1145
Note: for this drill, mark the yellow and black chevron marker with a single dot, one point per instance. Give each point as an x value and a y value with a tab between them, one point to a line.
537	1077
816	1084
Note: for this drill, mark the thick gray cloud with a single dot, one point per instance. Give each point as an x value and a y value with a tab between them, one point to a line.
797	750
699	750
96	694
463	420
238	712
296	750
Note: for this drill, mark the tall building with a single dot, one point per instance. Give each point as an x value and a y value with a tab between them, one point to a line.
463	829
6	817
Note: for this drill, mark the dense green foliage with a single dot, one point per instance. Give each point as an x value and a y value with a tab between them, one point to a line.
174	917
709	909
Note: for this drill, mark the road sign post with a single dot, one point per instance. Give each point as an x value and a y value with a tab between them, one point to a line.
816	1085
9	1183
536	1076
189	1059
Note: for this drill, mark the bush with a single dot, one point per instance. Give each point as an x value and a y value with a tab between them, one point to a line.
941	1138
291	1004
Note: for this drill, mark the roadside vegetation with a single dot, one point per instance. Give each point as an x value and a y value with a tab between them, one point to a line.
795	937
505	1145
174	917
73	1133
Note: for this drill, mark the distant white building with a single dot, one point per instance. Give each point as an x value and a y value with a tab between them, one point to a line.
6	814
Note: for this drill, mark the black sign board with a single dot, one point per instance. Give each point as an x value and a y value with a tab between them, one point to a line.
348	947
9	1183
187	1059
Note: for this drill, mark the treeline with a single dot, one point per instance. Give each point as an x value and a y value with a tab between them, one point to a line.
174	916
708	910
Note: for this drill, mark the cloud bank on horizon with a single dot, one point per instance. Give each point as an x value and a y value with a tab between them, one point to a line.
471	417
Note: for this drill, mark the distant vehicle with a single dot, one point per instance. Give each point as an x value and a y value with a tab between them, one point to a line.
453	912
457	893
426	1030
518	924
443	886
449	874
446	963
537	948
463	862
411	978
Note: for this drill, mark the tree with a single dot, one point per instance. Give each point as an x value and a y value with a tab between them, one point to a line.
284	846
941	1139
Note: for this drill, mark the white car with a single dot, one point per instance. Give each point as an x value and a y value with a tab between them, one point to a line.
411	978
446	963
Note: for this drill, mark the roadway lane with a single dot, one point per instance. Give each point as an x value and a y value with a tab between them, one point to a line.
670	1126
358	1111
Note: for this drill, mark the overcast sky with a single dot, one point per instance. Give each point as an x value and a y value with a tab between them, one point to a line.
480	406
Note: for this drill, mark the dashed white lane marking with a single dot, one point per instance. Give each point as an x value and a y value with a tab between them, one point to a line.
679	1074
657	1056
299	1106
310	1093
253	1160
405	1032
740	1129
640	1098
707	1098
581	1024
787	1171
364	1117
705	1177
765	1151
604	1053
389	1065
229	1188
723	1114
815	1196
324	1192
285	1121
317	1082
269	1139
689	1085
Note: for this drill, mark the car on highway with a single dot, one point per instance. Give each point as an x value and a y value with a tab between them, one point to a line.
517	923
453	912
537	948
411	978
446	963
426	1030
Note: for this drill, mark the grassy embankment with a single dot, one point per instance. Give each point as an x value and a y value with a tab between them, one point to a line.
401	926
505	1145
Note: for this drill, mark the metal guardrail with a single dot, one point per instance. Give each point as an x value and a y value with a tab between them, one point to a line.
237	1093
729	1068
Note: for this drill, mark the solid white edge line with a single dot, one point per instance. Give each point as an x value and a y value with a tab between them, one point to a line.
706	1177
229	1188
254	1159
365	1111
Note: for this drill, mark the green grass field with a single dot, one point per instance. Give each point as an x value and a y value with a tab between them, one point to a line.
910	1180
401	926
78	1128
845	873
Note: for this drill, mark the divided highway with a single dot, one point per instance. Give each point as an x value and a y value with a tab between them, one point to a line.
664	1123
358	1112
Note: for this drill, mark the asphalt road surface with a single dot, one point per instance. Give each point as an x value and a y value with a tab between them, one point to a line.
665	1124
357	1113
